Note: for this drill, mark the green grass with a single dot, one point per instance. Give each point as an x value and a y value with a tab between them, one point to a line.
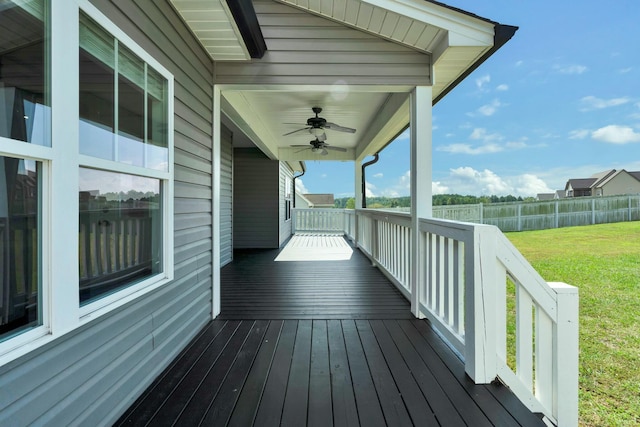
603	261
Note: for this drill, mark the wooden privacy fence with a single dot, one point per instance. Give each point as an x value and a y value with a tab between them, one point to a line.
523	216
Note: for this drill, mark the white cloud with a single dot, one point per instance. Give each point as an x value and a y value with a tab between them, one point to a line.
370	190
571	69
579	134
482	134
502	87
482	81
615	134
324	175
300	188
490	108
466	180
438	188
625	70
378	175
519	63
590	103
469	149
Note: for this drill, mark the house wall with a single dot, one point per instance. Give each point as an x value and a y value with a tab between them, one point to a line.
226	196
255	200
308	49
284	224
622	183
90	375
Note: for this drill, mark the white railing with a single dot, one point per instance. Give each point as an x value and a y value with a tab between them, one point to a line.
474	286
318	220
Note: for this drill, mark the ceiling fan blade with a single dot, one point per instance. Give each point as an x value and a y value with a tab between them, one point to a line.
322	137
300	146
339	128
335	148
298	130
324	152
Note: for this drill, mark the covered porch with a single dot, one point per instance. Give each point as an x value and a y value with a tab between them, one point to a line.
319	336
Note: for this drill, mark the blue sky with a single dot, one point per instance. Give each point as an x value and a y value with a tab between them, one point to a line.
560	100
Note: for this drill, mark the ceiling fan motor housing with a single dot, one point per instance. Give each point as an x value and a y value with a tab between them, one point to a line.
316	122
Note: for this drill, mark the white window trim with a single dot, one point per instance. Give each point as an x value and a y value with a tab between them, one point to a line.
60	310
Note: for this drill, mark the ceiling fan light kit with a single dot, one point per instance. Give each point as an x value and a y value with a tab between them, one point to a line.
316	126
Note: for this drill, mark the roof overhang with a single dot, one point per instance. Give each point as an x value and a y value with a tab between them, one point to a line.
452	42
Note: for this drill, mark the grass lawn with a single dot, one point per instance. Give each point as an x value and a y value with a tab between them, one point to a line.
603	261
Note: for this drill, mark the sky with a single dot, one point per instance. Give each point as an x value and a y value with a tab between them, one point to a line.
560	100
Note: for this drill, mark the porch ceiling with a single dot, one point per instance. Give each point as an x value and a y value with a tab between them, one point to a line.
452	41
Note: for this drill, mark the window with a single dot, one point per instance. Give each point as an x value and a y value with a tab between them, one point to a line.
123	104
24	124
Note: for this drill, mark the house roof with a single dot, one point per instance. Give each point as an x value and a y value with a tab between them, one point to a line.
580	183
635	174
545	196
320	199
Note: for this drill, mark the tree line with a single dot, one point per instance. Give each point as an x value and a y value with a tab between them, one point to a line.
438	200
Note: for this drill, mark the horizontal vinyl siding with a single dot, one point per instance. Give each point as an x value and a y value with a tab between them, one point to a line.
226	197
255	200
285	226
93	374
304	48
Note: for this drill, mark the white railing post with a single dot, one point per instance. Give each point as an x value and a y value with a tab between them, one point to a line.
293	221
480	300
565	372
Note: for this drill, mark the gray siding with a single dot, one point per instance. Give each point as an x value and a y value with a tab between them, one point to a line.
226	197
304	48
92	374
255	200
285	225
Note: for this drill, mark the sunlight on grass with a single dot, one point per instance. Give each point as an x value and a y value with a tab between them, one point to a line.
603	261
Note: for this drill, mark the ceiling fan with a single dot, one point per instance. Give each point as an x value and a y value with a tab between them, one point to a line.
319	145
316	125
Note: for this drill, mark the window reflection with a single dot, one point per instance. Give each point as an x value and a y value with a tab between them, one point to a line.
24	105
19	245
120	234
123	102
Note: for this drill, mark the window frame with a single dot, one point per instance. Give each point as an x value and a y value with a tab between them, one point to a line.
120	297
60	310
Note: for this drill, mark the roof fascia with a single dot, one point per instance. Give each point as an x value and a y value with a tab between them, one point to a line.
247	21
502	34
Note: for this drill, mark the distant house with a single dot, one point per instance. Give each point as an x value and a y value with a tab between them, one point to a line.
318	201
560	194
606	183
579	187
545	196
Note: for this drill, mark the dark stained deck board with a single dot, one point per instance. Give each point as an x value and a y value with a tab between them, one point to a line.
319	343
254	286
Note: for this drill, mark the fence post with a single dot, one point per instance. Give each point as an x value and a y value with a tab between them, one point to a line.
481	213
519	216
629	207
557	215
593	211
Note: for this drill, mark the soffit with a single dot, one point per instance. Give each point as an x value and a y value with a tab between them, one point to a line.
212	23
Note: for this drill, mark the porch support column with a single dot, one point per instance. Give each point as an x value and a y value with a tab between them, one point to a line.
421	172
215	208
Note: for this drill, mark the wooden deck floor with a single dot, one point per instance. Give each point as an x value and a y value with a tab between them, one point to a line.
312	371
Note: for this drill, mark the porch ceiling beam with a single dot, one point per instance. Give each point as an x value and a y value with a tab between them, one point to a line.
391	119
245	16
260	135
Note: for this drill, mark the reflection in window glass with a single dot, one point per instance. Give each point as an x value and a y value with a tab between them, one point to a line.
135	130
120	231
19	245
24	104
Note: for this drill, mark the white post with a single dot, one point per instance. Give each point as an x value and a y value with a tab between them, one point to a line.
215	285
65	301
480	315
358	200
565	372
421	175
